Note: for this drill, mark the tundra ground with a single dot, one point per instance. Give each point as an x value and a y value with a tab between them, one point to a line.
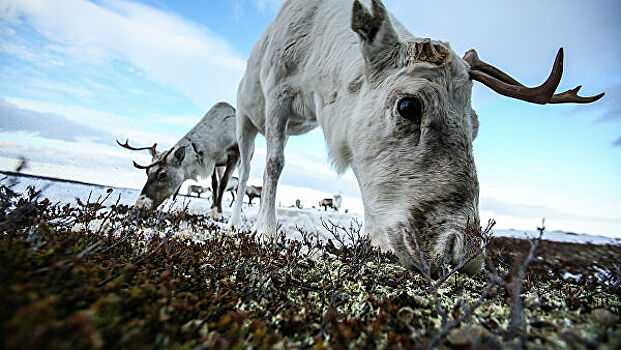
106	276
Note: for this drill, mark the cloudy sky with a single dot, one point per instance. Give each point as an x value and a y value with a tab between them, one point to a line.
78	74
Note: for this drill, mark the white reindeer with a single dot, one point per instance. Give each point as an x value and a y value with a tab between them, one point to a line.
210	144
393	107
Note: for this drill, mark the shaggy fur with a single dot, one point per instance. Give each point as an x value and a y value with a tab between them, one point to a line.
345	66
211	143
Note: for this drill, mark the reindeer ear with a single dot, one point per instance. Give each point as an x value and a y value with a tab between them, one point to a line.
179	155
376	33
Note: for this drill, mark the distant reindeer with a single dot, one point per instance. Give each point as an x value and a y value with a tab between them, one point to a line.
251	191
298	204
334	203
210	144
231	187
198	189
393	107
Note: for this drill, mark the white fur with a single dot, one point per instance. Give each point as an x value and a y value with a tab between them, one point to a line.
328	83
211	143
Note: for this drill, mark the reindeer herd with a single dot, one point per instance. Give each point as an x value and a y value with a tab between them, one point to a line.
393	107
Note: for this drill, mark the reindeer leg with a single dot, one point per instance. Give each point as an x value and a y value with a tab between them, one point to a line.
214	188
246	132
278	109
215	197
231	163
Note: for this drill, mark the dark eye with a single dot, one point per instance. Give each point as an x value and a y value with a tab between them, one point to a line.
161	175
410	108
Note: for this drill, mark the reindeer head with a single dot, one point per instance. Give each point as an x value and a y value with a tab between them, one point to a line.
165	175
411	144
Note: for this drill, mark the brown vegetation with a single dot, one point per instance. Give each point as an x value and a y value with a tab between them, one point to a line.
99	275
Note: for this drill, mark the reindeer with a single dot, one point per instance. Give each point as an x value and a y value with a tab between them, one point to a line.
251	191
231	187
393	107
210	144
334	203
198	189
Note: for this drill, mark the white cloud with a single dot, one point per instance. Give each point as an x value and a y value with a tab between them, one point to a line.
181	120
47	125
263	6
120	126
167	48
267	5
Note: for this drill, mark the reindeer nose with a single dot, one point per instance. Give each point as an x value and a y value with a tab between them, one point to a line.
472	264
456	253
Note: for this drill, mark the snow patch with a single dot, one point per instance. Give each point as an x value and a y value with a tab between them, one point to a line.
290	218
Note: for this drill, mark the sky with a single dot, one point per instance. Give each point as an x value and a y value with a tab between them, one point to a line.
77	74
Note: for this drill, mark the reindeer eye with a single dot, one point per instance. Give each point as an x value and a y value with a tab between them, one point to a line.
411	109
162	175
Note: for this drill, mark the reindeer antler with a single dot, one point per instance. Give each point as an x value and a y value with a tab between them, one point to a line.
162	159
151	149
572	96
126	145
503	84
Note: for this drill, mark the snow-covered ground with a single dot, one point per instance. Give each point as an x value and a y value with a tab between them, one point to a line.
309	219
557	236
290	218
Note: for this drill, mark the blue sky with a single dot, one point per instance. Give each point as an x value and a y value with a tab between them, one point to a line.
78	74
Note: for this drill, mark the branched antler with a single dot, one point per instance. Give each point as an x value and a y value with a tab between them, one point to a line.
162	159
505	85
152	149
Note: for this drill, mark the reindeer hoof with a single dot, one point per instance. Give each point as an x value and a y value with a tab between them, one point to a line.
381	243
234	222
264	233
214	214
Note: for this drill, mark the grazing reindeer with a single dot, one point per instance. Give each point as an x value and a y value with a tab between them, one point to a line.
231	187
393	107
210	144
198	189
251	191
334	203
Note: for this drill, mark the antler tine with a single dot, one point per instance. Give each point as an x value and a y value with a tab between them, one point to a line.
136	165
572	96
162	159
505	85
126	145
